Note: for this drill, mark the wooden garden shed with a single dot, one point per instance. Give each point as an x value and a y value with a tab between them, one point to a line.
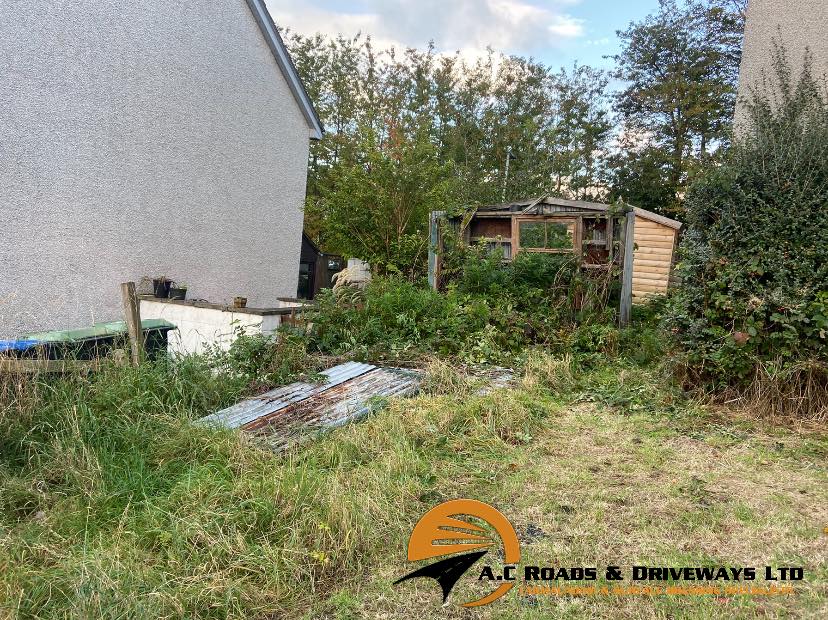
656	239
594	231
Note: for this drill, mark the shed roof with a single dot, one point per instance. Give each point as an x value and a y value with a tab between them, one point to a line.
280	53
529	204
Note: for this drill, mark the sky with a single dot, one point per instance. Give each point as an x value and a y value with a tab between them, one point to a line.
556	32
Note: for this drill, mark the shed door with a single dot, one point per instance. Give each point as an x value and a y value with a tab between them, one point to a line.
653	258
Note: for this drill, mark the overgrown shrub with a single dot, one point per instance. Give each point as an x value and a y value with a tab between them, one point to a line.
528	275
262	362
392	318
755	258
489	313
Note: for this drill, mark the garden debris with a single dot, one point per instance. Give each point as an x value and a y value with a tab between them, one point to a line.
290	415
496	377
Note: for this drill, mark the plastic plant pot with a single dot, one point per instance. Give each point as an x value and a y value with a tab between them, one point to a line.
161	287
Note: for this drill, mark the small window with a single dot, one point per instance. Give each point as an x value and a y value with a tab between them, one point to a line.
493	244
305	288
505	246
595	232
546	235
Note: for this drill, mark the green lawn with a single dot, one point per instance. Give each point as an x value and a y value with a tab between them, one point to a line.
114	506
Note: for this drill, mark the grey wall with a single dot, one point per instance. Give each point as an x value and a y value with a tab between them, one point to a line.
799	24
140	139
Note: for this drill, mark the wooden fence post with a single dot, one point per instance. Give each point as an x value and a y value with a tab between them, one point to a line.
132	314
626	279
434	249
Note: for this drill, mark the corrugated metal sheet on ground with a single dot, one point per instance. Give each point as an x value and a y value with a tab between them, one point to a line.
288	415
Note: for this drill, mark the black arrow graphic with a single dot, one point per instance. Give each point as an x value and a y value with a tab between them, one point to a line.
446	572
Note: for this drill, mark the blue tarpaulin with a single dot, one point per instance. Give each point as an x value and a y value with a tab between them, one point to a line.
17	345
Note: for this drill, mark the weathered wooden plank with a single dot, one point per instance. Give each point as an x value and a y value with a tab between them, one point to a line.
664	245
30	366
646	270
645	297
660	280
647	239
651	217
654	288
658	251
651	279
132	316
626	280
637	280
647	260
654	237
651	272
434	257
653	261
653	229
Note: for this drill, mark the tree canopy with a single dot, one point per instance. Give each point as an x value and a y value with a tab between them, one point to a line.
412	131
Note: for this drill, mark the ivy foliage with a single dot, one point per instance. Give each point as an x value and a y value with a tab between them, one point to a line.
755	258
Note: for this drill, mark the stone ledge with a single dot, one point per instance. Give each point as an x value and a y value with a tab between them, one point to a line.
194	303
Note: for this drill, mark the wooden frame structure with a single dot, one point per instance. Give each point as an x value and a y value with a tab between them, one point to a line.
641	242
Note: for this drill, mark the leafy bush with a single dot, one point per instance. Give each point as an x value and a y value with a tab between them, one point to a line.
595	338
528	276
755	258
392	317
489	313
263	361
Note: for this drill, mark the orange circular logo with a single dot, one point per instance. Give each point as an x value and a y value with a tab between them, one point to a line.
442	531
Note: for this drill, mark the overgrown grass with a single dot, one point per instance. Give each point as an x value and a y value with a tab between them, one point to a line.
617	468
112	504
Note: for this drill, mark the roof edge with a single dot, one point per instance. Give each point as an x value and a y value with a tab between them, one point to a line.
583	204
655	217
307	238
280	53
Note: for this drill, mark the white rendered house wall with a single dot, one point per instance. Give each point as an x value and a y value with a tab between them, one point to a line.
199	328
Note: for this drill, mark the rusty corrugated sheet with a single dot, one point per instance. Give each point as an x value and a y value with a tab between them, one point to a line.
288	415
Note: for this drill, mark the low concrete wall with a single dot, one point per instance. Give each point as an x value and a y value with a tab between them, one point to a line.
202	325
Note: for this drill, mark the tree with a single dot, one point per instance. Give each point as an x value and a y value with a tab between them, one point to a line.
641	176
680	66
378	208
578	134
413	131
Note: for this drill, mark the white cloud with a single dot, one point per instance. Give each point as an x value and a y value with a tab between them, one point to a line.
468	26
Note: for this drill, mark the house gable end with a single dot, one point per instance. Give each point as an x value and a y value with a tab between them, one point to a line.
283	60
